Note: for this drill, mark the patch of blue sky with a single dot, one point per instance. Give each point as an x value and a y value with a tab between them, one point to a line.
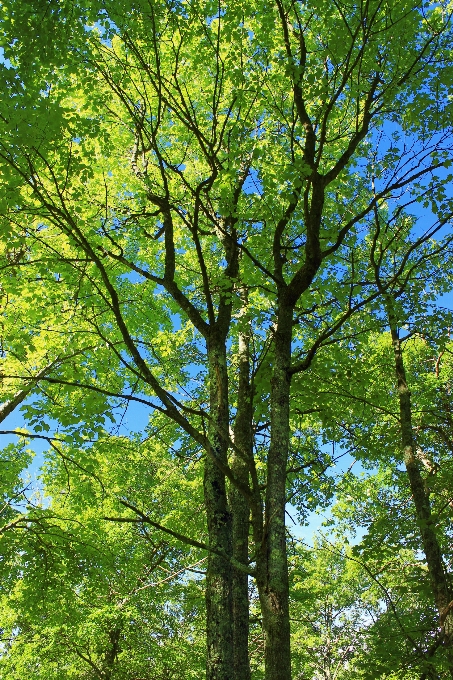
132	277
445	301
105	27
132	418
16	421
5	62
411	156
253	183
314	523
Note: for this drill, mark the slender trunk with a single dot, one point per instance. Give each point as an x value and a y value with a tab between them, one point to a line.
240	512
112	652
240	508
439	580
272	565
219	605
9	406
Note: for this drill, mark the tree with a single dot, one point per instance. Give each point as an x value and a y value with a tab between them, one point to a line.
227	211
87	598
387	502
364	610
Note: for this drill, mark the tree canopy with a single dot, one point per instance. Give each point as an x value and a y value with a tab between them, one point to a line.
234	217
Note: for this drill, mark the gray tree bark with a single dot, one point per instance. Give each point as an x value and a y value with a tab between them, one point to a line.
272	565
219	582
240	507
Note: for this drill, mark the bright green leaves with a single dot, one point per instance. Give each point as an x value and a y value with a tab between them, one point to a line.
163	162
93	593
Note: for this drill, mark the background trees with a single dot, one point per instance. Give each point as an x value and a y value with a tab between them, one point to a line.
88	598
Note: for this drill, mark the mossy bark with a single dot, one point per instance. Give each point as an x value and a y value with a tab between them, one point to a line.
272	565
240	507
440	584
219	582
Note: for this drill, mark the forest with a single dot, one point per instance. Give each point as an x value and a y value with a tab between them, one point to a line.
226	353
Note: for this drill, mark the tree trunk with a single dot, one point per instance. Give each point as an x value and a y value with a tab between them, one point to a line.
111	654
219	604
439	580
240	507
272	565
